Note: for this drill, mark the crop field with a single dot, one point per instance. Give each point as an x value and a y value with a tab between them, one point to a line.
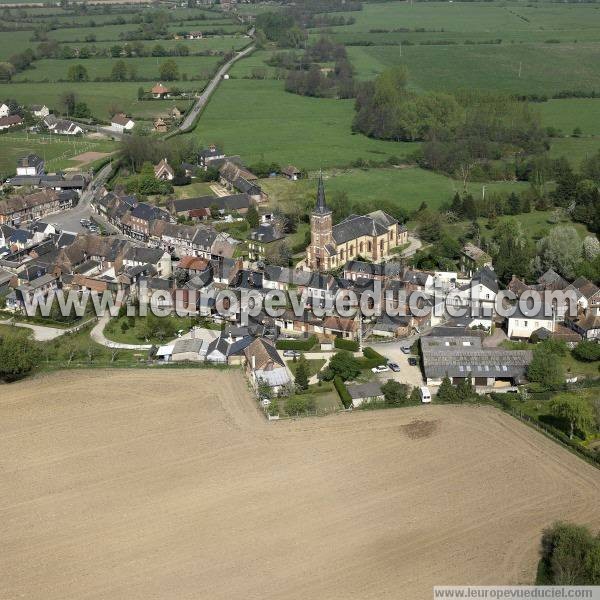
407	187
177	484
287	128
58	153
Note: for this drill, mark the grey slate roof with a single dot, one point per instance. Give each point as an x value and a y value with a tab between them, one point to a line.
356	226
231	202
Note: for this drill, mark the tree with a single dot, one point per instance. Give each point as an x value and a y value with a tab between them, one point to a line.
560	250
395	393
119	71
345	365
68	100
81	111
575	410
115	51
18	356
512	250
169	70
570	555
77	73
587	350
514	204
446	391
415	396
591	248
301	378
545	368
252	217
465	390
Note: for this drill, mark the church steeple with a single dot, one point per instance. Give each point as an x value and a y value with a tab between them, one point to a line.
321	207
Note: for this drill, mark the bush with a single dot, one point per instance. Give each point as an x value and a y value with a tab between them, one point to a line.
343	344
342	391
587	350
295	405
344	365
300	345
371	359
18	357
395	393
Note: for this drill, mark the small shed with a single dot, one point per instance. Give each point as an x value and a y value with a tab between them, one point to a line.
164	353
189	349
362	393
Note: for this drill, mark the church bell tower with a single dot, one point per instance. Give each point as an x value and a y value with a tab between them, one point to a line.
321	232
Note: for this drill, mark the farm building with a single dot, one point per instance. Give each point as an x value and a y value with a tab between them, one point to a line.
121	122
10	121
31	164
460	358
291	172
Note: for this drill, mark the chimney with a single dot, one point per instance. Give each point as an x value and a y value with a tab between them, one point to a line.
253	362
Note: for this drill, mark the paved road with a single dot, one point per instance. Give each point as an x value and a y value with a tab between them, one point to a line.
203	99
69	220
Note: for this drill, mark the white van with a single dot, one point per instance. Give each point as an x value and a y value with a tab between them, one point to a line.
425	395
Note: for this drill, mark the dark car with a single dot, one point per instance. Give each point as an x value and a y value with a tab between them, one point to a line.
394	366
412	361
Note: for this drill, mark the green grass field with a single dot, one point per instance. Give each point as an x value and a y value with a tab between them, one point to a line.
408	187
259	120
57	152
544	68
102	98
146	67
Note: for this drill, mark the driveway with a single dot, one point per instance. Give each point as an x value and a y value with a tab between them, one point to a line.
97	334
41	333
409	375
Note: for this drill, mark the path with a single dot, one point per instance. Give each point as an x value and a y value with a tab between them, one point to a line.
41	333
97	334
204	97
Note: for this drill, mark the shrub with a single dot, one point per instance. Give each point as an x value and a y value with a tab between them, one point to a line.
342	391
395	393
343	344
295	405
301	345
344	365
587	350
371	359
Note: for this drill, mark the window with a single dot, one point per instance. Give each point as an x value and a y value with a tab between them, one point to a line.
361	247
525	323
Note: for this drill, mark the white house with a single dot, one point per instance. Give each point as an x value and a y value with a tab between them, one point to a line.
40	110
31	164
121	122
522	325
264	365
4	110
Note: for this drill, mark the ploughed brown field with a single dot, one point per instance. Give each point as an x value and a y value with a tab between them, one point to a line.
131	485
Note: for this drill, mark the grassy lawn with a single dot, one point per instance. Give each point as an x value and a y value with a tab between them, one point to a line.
569	113
575	149
407	186
56	151
314	365
195	189
536	224
134	333
286	128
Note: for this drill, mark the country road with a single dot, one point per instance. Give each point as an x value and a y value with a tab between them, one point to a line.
203	99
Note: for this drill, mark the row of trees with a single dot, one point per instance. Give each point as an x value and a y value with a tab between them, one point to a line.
18	357
135	49
122	71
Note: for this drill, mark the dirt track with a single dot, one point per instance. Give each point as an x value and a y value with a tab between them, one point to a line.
148	485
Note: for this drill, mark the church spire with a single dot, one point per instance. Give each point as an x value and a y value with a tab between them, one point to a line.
321	206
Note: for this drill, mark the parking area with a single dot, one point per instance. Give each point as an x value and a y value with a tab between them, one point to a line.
408	374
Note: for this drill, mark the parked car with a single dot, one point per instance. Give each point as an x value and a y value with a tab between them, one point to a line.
425	395
265	402
405	349
380	369
394	366
412	361
291	353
